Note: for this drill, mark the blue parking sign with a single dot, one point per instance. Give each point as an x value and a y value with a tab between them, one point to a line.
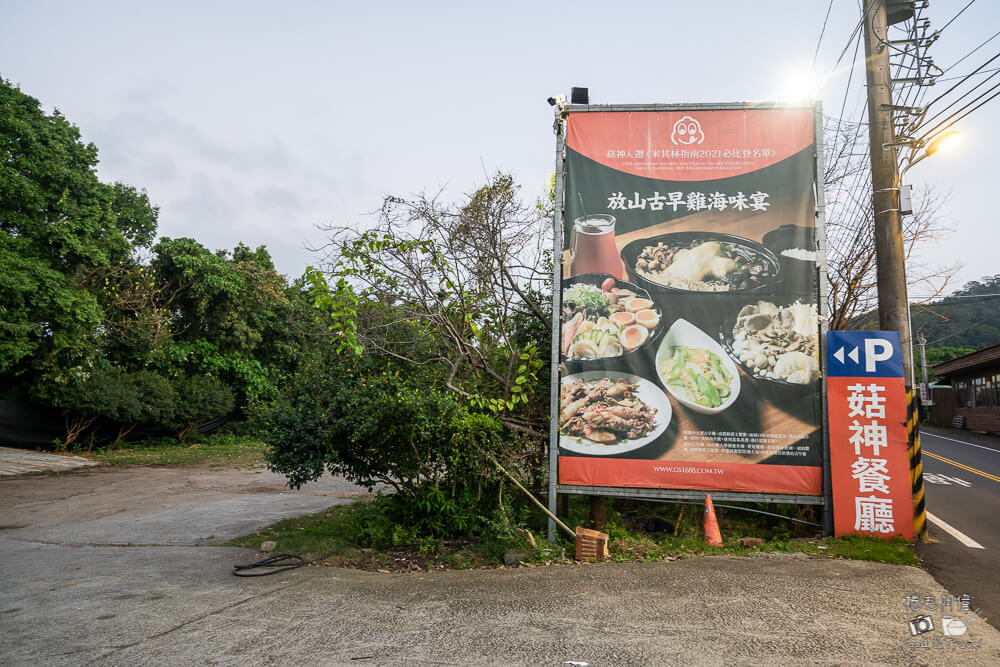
863	354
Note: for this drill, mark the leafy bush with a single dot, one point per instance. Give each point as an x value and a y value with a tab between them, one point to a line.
145	398
198	398
156	398
109	393
364	420
85	396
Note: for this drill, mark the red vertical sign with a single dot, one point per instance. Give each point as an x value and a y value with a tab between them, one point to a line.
869	459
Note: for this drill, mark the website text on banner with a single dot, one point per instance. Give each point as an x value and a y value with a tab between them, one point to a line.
869	464
689	306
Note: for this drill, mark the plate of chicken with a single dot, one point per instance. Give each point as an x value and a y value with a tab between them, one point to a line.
605	413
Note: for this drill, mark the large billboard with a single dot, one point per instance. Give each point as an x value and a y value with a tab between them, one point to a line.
689	302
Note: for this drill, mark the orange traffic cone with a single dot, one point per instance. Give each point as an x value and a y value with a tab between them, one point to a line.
712	534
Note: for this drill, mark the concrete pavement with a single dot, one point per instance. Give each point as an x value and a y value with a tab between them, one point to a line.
75	593
20	461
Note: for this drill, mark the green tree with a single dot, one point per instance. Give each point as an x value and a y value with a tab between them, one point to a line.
939	355
439	318
86	396
459	286
228	314
58	223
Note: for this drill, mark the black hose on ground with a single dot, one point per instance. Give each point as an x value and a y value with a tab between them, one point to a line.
282	563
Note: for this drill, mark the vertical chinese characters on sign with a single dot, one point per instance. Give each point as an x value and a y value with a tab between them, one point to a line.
868	456
874	513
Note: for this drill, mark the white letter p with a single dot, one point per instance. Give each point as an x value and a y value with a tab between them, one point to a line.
872	357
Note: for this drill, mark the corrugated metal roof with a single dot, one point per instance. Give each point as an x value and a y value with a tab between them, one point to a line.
983	357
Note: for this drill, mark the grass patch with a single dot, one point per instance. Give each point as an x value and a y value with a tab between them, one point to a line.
857	547
685	539
362	535
896	552
223	449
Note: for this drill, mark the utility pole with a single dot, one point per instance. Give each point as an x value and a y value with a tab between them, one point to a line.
893	304
922	341
893	309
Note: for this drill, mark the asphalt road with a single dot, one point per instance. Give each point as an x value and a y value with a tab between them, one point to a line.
962	490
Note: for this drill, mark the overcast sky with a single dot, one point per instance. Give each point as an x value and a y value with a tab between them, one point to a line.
256	122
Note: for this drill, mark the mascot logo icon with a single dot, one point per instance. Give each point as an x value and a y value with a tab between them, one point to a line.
687	131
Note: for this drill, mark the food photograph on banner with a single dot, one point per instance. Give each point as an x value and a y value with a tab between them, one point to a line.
689	303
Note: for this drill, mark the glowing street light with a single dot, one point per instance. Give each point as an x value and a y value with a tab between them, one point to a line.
931	147
949	138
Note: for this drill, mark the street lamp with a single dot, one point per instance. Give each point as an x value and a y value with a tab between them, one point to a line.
932	147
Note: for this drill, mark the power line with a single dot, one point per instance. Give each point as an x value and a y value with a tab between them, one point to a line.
957	15
954	118
846	212
965	296
851	205
917	90
850	77
950	120
955	333
962	96
950	67
854	213
985	71
856	31
822	32
931	103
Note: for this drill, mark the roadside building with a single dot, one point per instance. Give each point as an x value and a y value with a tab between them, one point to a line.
975	391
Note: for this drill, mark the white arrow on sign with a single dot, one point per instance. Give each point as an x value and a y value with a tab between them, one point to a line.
839	355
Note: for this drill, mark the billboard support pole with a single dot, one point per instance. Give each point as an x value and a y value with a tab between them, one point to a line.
823	314
557	227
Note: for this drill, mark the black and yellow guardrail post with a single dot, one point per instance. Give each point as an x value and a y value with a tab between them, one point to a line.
916	466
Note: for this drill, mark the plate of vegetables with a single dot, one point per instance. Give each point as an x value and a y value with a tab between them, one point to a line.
696	370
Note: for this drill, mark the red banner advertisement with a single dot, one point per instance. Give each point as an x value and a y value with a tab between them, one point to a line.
689	302
869	460
749	477
691	145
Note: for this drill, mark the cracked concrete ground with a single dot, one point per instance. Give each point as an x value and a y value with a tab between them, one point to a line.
75	593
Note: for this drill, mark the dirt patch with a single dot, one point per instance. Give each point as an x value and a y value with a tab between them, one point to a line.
94	493
407	559
269	488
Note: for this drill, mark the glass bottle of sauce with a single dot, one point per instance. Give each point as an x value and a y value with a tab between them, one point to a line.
592	247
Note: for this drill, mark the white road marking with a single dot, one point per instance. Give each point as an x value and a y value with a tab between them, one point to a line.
962	442
947	480
954	532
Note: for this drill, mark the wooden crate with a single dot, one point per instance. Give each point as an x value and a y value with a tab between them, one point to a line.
591	544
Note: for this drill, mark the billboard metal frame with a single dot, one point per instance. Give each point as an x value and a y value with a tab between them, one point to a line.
559	126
